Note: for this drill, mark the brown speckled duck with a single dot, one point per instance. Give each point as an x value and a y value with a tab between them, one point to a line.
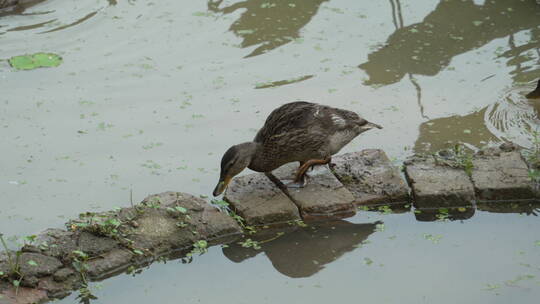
300	131
536	93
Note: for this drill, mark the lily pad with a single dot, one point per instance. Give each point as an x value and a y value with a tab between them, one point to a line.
34	61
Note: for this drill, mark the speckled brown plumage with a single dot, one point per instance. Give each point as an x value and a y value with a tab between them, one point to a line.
300	131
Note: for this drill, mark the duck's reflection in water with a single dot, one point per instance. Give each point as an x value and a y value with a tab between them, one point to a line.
515	118
512	118
305	251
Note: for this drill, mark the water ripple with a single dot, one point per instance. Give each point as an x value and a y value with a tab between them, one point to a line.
49	16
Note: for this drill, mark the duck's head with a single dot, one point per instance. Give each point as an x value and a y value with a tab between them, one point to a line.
236	159
535	93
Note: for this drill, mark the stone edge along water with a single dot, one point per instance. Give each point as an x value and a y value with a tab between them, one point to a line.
172	224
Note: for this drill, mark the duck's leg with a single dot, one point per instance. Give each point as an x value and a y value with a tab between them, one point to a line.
299	180
275	180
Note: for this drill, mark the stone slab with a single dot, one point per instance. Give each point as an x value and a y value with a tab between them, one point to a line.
160	229
22	295
109	263
57	243
323	197
370	177
259	201
35	265
95	245
502	177
437	186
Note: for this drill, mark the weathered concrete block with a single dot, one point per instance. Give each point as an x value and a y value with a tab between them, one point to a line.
63	274
22	295
95	245
161	227
58	290
35	265
109	263
435	186
370	177
502	177
323	197
54	242
255	198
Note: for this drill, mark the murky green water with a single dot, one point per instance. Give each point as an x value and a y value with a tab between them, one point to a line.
150	94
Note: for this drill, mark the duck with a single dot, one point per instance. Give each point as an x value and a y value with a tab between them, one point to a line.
536	93
300	131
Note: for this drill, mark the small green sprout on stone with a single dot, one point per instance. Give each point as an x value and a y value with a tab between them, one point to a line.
154	202
363	208
385	209
199	247
456	158
533	158
177	209
181	213
105	224
221	204
249	243
300	223
79	263
32	263
242	222
30	239
443	214
14	264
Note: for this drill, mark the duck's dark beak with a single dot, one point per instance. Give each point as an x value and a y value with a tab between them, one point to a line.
368	126
222	185
371	125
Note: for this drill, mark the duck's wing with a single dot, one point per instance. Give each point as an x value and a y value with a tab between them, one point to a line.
289	118
334	120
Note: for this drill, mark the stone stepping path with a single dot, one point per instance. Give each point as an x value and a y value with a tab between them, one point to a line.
171	224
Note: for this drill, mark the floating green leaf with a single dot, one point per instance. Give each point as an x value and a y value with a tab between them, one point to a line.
34	61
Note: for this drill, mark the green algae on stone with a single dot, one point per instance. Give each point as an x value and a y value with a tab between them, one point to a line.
34	61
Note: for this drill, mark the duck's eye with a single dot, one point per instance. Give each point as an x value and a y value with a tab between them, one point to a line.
229	165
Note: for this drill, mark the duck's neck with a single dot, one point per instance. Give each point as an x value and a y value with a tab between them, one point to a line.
254	150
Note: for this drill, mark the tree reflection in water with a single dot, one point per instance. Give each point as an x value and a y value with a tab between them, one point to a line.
268	23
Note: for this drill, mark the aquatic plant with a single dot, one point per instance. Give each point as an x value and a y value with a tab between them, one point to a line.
14	264
457	157
34	61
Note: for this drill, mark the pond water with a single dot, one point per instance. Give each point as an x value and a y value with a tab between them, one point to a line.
150	94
